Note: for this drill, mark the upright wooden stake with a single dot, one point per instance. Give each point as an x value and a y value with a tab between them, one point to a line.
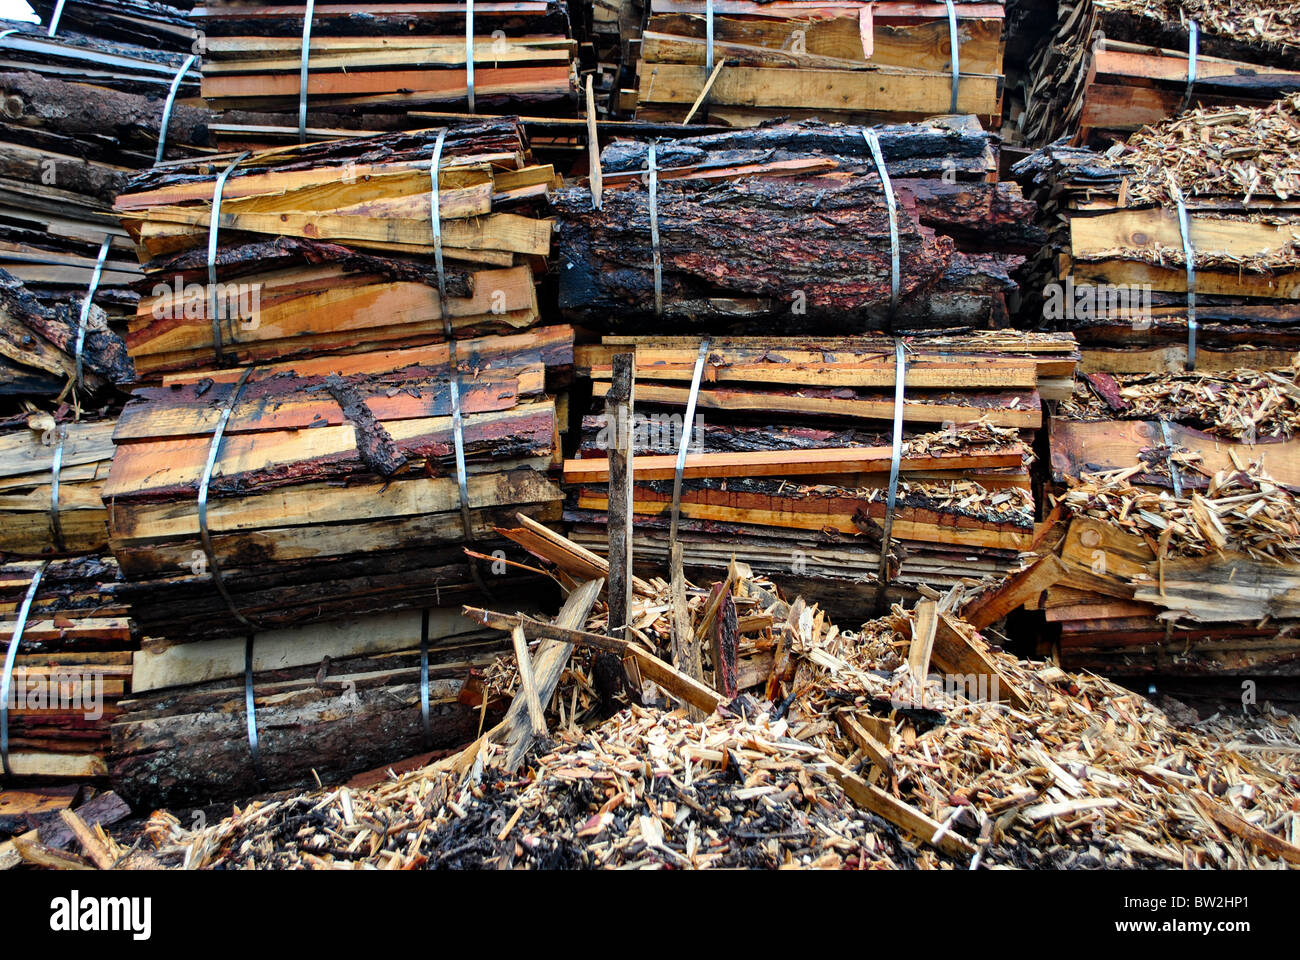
618	424
686	650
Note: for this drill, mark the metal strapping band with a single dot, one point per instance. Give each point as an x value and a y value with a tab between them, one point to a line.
214	227
167	107
684	444
85	305
307	17
250	710
1189	254
453	363
654	230
424	679
11	655
954	41
708	37
1169	458
874	143
1193	45
205	536
435	221
54	18
895	459
56	466
7	33
469	54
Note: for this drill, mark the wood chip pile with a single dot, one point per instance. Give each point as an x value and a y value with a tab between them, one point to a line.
835	757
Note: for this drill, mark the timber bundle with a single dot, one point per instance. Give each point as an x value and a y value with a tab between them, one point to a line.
73	667
1114	66
832	753
736	240
330	247
381	61
790	469
333	488
846	60
1120	273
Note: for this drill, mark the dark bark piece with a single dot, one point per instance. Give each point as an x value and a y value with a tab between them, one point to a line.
374	443
726	641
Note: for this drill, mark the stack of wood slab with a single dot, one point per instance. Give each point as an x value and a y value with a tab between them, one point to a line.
72	668
1114	66
330	700
847	60
36	519
334	488
78	112
330	247
1173	552
383	61
788	224
1117	266
789	466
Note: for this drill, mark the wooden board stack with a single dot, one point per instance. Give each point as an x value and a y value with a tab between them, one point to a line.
334	487
1115	66
791	453
72	668
738	244
330	700
78	113
381	60
1149	583
1118	267
329	247
35	520
847	60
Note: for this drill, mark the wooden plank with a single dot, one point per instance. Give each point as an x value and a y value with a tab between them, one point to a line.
900	814
790	463
674	682
1013	592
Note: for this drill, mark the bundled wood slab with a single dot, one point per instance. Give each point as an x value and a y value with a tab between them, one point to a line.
857	61
384	59
334	487
329	248
739	242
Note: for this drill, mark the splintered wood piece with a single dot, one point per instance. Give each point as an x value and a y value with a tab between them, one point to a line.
1247	831
726	640
1013	592
923	632
900	814
876	751
525	664
516	730
90	843
686	647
